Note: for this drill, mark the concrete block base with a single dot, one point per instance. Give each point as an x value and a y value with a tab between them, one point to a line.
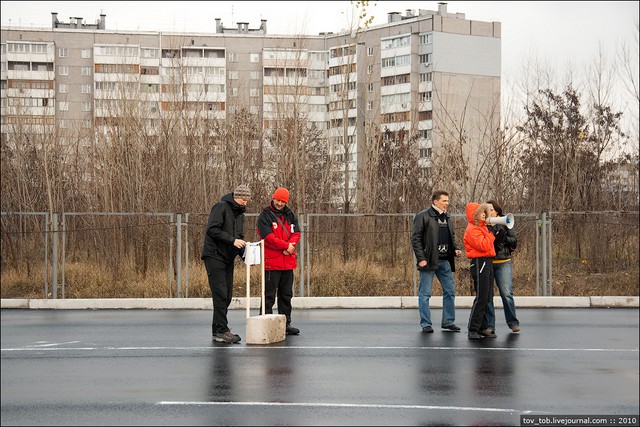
266	329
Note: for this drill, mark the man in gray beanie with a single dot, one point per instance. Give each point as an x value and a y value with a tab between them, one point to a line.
223	241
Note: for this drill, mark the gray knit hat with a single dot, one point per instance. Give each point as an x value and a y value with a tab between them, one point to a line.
242	191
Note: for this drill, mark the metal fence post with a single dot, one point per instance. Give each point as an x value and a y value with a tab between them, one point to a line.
54	256
179	254
186	255
301	281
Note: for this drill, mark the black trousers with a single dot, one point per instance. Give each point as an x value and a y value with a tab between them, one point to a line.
278	282
482	274
220	275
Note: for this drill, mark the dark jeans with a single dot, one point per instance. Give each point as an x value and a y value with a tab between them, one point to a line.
482	274
220	277
278	282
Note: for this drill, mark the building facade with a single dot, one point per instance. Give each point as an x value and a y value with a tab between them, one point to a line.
424	77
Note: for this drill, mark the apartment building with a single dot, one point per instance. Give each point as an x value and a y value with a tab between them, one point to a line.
424	76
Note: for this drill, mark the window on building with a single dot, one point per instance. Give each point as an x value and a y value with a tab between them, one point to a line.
253	92
63	88
426	77
63	52
369	51
86	53
369	105
425	39
233	75
370	87
233	57
234	91
86	106
425	58
39	48
86	88
254	75
63	106
370	69
254	57
63	70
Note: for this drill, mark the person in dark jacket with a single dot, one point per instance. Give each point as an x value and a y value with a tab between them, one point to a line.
223	241
278	226
505	242
435	248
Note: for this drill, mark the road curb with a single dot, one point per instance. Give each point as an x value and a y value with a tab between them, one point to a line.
302	303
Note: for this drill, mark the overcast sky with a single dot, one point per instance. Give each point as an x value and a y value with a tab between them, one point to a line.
556	34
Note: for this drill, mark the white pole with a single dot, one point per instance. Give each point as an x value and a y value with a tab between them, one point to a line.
248	286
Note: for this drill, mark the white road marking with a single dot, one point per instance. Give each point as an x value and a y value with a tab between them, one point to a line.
343	405
271	347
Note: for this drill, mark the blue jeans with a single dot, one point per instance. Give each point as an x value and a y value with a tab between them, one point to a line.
503	273
445	276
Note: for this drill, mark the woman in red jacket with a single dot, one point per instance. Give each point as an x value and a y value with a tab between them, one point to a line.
278	226
478	243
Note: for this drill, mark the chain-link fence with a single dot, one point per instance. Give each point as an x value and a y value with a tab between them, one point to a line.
157	255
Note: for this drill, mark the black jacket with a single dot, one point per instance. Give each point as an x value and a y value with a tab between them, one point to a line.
424	239
225	225
505	242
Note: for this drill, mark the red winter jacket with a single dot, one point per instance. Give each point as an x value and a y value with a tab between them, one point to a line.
278	229
478	240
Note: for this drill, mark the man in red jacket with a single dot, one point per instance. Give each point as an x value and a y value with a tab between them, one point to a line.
278	226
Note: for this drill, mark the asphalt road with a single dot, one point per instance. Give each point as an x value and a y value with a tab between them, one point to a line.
347	367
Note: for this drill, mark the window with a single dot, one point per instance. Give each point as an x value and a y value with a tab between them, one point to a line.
86	106
254	57
369	51
370	87
62	52
233	75
86	53
426	77
254	75
369	105
63	106
425	39
425	153
234	91
63	70
253	92
39	48
62	124
63	88
233	57
86	88
370	69
86	71
425	58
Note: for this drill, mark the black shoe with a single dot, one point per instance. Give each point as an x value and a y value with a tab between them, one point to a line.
452	327
427	330
488	333
226	337
292	331
474	336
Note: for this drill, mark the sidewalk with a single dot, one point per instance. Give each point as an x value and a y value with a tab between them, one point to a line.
301	303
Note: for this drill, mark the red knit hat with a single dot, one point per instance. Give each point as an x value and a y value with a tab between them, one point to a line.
281	194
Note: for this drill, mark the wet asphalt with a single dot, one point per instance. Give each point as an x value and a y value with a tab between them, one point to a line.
347	367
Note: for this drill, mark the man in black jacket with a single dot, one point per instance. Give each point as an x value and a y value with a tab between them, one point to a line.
223	241
435	248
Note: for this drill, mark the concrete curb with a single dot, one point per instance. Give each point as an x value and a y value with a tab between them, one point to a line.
302	303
